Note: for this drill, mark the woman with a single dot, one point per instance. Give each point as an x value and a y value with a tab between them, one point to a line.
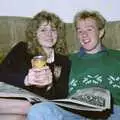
43	38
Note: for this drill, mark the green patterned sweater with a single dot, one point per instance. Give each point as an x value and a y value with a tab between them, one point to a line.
101	69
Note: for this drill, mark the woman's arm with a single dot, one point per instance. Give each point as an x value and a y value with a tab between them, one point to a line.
60	85
14	67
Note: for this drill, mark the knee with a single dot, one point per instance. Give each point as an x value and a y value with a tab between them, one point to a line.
43	111
39	110
41	107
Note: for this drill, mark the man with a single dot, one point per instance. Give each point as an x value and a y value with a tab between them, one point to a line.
96	66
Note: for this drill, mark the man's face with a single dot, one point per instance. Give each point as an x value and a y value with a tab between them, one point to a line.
89	35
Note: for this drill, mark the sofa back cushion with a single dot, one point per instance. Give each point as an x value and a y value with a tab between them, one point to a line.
12	30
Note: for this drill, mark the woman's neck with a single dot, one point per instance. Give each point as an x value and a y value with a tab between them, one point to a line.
50	54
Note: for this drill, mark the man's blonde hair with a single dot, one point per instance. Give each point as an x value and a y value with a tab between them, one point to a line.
100	20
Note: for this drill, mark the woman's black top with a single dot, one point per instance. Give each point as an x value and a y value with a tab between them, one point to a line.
16	64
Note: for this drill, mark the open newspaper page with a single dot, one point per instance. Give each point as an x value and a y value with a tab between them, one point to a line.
88	99
10	91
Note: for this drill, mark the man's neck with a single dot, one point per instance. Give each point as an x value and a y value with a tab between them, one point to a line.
97	49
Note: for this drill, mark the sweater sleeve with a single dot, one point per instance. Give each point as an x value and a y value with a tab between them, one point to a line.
15	59
14	67
16	79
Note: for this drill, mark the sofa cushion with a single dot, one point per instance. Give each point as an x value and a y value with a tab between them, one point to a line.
12	30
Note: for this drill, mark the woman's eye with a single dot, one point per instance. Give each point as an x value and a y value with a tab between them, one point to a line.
53	30
42	30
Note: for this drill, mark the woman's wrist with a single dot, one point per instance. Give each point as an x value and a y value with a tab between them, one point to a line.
49	87
26	83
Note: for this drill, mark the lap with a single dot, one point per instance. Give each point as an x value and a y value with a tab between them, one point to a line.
115	114
49	110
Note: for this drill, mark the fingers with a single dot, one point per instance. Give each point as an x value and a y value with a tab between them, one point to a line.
43	74
40	69
39	77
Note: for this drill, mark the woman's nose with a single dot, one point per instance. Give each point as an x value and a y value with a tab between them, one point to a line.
49	33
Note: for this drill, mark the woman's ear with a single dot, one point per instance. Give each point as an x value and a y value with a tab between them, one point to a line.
101	33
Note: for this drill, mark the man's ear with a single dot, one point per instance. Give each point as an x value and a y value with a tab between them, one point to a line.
101	33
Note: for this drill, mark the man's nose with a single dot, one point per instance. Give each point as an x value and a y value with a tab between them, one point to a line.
84	34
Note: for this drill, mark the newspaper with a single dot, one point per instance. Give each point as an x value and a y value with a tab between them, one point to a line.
88	99
10	91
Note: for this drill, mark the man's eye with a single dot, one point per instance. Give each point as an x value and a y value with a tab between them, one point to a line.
90	29
79	31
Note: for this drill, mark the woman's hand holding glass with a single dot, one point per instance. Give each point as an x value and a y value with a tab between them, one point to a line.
39	76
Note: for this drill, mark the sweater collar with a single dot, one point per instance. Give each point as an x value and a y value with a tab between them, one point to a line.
82	50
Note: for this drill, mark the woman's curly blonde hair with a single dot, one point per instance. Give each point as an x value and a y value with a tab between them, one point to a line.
33	46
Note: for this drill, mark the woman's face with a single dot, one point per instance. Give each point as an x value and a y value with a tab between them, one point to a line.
47	34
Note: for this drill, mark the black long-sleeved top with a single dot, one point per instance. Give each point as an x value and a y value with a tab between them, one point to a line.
15	67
